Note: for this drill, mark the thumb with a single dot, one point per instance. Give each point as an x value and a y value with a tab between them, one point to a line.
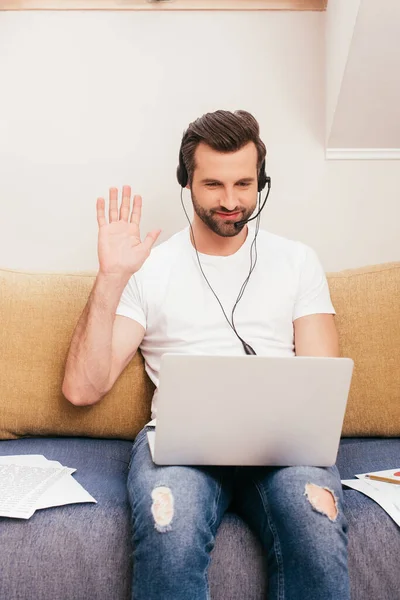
151	238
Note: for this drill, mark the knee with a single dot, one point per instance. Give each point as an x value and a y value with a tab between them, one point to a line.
180	513
152	508
322	499
306	494
171	530
165	510
162	508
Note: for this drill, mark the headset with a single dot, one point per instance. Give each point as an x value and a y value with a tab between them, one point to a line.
263	180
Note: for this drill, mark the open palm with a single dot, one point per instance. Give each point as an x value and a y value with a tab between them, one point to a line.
120	249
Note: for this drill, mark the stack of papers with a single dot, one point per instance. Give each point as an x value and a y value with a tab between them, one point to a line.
387	495
29	482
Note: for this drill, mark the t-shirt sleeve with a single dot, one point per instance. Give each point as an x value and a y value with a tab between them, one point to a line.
313	294
130	304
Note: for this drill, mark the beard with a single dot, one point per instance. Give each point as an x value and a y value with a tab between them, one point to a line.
217	224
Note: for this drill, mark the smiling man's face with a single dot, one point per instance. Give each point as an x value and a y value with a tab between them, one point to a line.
224	187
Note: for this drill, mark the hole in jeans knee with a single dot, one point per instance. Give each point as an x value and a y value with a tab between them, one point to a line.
323	500
162	508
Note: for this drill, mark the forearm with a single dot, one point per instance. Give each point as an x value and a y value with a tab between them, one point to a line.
89	358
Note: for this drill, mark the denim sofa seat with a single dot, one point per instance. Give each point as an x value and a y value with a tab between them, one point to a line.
82	551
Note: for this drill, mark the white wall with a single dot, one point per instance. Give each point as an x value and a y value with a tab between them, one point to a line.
341	16
91	100
363	82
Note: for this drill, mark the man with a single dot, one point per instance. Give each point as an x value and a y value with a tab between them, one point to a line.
161	300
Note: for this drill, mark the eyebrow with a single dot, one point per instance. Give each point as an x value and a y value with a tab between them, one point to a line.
243	180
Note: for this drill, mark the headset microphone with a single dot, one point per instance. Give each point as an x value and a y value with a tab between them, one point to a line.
239	223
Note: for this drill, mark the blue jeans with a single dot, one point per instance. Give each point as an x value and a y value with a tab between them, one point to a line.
176	511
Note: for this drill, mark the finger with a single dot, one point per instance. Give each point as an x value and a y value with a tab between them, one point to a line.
126	203
113	209
101	219
151	238
136	210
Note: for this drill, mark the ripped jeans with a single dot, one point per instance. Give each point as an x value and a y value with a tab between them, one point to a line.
176	511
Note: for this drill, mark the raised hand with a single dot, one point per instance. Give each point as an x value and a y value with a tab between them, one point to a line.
120	249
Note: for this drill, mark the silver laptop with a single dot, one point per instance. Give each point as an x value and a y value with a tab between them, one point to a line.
250	410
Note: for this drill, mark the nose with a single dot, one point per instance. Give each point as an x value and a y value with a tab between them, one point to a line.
228	200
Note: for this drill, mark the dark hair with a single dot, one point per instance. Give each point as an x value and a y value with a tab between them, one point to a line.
223	131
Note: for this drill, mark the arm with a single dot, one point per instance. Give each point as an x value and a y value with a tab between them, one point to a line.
102	345
316	335
315	331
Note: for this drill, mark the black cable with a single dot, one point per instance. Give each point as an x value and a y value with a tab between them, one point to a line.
247	348
252	267
251	260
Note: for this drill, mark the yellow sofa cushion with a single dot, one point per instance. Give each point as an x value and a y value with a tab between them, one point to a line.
39	312
367	304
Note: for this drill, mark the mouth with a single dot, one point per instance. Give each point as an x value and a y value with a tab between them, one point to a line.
228	216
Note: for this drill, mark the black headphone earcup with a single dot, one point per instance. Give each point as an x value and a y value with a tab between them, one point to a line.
181	172
181	176
262	177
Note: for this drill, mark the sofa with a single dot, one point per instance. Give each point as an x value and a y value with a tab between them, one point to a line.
83	551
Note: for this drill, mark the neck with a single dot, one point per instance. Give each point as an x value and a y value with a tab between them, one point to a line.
208	242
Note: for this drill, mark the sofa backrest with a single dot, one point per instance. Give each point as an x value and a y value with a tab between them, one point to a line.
367	304
39	312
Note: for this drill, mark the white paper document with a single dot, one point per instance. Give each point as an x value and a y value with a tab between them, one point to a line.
387	495
30	482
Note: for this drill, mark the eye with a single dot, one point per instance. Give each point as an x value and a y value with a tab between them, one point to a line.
213	184
243	184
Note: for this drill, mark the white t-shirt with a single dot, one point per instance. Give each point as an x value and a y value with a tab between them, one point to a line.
171	299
